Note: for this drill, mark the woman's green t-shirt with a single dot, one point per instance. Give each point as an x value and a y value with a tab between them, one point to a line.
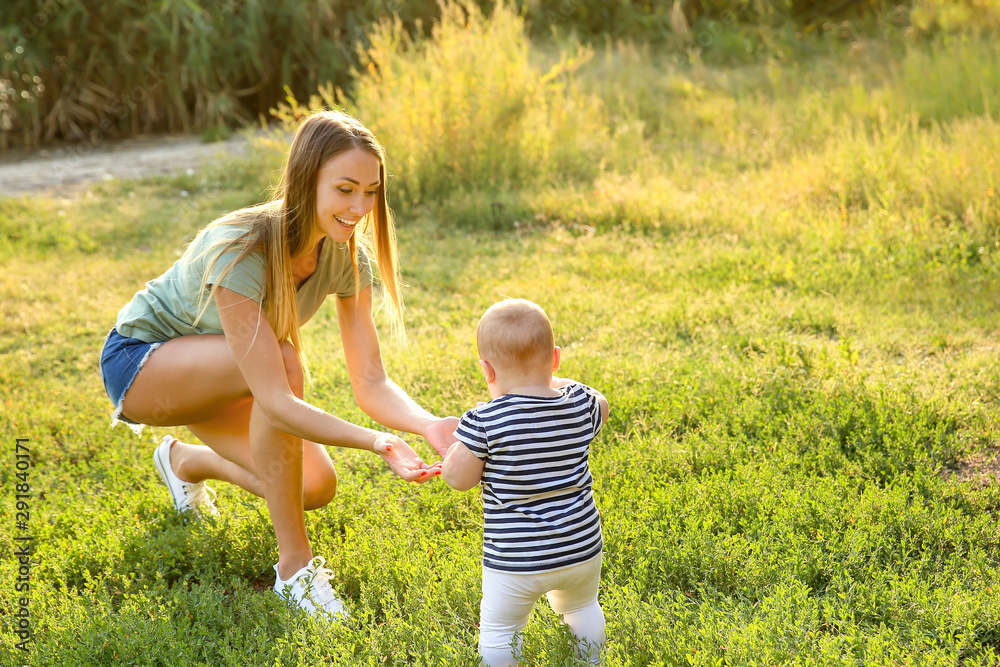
169	304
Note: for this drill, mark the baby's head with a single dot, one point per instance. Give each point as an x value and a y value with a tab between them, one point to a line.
515	340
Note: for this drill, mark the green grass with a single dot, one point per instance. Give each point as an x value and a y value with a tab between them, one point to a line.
787	292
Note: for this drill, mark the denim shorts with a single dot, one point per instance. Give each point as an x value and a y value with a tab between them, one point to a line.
121	360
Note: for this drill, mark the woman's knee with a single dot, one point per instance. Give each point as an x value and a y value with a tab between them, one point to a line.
293	368
319	484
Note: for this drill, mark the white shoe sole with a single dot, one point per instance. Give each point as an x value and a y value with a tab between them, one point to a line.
159	454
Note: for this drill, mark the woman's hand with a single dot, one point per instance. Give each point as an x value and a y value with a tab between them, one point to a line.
441	434
403	461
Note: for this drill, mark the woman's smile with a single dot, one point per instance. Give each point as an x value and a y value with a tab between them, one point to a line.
346	187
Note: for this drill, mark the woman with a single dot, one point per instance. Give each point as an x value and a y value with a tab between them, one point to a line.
217	340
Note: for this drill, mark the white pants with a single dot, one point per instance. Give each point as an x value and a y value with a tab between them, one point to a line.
509	598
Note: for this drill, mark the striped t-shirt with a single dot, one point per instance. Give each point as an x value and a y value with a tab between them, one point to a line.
538	502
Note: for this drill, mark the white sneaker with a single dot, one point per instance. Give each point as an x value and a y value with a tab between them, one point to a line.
310	589
186	496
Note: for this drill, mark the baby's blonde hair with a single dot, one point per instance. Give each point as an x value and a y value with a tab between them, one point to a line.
515	334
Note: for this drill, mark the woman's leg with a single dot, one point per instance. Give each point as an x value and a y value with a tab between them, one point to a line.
187	380
227	454
228	438
194	380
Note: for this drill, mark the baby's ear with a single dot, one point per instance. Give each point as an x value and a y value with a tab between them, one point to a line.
488	372
556	354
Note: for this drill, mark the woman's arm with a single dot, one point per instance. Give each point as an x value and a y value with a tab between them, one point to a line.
381	398
258	354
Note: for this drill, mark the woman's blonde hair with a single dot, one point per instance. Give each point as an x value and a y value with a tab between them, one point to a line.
282	227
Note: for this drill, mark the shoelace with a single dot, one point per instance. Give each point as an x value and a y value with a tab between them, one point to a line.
318	587
196	494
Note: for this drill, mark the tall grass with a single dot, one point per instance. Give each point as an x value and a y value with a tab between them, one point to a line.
468	108
623	136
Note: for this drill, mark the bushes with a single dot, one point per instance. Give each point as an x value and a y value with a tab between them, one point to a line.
80	71
952	15
652	19
129	66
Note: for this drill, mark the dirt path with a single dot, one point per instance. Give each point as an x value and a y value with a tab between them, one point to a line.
67	169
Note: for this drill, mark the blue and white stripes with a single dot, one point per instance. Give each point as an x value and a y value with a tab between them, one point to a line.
538	503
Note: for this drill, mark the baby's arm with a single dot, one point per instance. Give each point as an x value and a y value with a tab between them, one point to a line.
603	402
462	469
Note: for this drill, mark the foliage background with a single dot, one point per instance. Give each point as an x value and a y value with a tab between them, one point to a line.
78	71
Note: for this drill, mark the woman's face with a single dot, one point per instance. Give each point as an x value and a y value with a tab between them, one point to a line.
345	192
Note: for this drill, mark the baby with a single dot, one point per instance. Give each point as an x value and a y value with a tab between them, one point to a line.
529	447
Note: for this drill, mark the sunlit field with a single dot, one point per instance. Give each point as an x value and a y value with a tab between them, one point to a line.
778	258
